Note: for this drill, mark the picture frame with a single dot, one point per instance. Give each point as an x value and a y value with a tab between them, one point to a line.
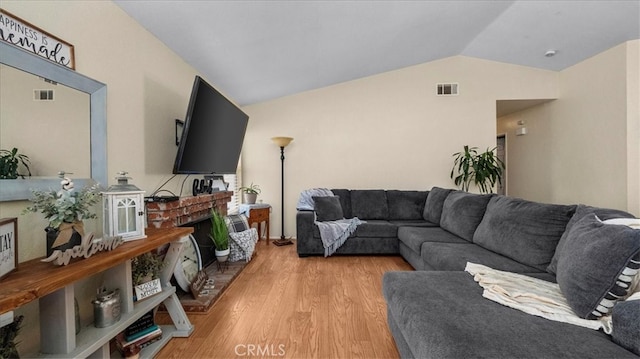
8	245
28	37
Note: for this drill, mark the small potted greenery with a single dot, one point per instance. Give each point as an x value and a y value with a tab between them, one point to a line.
483	169
65	210
220	236
250	194
145	268
9	163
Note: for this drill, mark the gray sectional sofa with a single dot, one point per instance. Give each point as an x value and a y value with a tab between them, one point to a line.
438	311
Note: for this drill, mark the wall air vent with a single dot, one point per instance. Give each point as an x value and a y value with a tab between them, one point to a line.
447	89
43	95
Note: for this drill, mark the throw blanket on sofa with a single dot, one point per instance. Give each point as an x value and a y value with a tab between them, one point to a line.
305	202
530	295
335	233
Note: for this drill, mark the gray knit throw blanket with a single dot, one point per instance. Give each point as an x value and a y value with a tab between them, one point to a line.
335	233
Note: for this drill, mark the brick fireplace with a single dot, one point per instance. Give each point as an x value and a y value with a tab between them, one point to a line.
186	210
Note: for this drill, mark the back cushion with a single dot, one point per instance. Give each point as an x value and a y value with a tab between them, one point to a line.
369	204
462	212
345	201
406	204
433	206
525	231
581	211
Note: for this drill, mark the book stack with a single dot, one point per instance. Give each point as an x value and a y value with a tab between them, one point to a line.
141	333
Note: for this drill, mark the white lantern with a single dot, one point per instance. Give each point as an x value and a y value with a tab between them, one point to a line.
123	210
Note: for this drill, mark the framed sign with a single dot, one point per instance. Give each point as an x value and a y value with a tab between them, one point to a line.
28	37
8	245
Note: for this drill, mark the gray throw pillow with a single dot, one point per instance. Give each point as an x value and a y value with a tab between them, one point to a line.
523	230
597	265
462	213
434	203
328	208
581	211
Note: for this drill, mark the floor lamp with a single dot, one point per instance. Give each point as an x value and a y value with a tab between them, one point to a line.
282	142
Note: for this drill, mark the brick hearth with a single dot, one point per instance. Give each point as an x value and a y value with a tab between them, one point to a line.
186	209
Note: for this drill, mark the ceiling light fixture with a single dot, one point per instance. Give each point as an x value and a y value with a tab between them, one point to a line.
550	53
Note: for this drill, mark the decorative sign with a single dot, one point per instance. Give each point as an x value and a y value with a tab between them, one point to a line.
8	245
22	34
146	290
201	284
86	249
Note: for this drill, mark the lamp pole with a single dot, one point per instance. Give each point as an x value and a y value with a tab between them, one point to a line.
282	142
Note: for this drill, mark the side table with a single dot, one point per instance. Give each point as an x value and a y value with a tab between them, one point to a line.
257	213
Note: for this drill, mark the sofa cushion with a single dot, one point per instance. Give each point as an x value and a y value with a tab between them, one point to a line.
369	204
523	230
345	201
413	237
443	315
328	208
597	264
376	228
626	325
581	211
406	204
413	223
462	213
433	205
454	257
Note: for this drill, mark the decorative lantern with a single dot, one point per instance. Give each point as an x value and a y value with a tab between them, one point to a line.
123	210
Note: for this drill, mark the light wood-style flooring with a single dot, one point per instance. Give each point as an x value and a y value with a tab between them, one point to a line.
282	306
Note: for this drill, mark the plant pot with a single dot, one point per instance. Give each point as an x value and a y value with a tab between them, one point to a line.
52	234
249	198
222	256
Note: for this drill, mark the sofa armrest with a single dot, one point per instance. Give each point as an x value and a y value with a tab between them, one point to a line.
305	242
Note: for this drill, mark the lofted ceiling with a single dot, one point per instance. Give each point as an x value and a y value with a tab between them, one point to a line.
255	51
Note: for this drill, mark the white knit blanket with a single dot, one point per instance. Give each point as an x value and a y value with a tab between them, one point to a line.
335	233
530	295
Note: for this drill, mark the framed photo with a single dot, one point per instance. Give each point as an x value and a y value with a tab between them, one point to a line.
8	245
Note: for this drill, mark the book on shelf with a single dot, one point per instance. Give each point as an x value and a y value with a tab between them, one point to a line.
133	337
122	344
144	322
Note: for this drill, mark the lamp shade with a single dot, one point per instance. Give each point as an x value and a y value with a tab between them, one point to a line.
282	141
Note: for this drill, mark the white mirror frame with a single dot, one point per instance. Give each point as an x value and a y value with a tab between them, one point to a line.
20	189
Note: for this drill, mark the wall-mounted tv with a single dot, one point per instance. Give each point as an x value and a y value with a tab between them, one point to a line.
212	135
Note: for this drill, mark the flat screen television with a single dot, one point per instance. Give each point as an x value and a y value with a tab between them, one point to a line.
212	134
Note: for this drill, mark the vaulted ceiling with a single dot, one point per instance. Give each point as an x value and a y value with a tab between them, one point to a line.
255	51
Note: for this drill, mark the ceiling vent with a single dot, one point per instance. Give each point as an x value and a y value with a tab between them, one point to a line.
43	95
447	89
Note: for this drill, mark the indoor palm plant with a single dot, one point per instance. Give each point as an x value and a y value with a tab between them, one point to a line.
250	194
65	210
220	236
482	169
9	162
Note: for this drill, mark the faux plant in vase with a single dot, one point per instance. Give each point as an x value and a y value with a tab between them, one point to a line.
65	210
220	236
250	194
482	169
9	163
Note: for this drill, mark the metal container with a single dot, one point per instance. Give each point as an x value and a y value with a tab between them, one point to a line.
106	307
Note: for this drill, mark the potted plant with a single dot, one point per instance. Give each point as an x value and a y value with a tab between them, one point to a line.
145	268
483	169
250	194
8	334
9	162
220	236
65	210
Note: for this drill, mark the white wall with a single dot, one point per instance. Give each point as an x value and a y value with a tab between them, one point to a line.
386	131
582	147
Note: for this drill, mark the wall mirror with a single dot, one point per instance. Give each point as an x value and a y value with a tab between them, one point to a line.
82	131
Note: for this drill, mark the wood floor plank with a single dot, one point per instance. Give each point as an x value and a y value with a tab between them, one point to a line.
282	306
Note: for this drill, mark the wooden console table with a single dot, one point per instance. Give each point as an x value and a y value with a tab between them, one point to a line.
54	287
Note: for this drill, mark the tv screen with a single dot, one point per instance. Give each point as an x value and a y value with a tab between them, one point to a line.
212	135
